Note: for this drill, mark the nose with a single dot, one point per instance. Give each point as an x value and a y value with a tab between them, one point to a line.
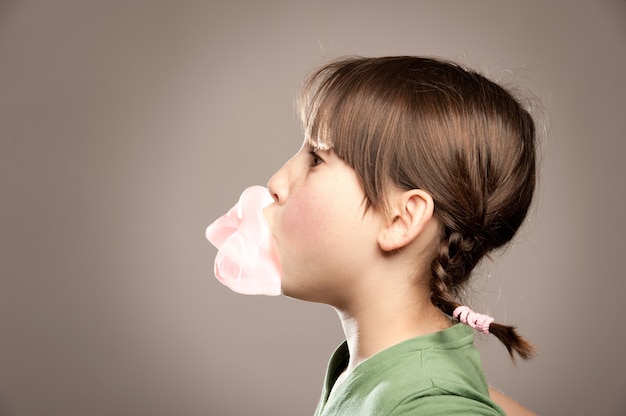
278	185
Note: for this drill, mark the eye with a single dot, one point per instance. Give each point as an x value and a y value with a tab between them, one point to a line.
315	158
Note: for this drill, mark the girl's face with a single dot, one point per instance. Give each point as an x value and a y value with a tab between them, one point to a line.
323	232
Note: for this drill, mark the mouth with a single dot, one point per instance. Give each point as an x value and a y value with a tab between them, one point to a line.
266	215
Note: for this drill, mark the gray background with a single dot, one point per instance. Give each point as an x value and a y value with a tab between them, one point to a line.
126	127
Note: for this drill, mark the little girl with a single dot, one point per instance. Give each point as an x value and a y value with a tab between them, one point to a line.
412	170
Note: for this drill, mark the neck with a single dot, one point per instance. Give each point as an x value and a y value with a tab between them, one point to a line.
389	302
380	325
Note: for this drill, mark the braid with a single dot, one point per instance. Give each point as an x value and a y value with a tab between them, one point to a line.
451	268
443	288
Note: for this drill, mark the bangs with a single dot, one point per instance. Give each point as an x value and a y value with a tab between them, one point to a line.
340	106
320	102
347	107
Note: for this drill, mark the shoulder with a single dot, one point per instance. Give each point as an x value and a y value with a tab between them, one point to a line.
442	403
438	374
433	385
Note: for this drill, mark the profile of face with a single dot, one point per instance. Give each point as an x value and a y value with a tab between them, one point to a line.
321	225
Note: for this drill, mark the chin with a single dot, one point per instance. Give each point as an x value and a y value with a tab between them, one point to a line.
309	294
292	292
296	291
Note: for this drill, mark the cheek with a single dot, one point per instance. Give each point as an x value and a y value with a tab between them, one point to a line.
305	218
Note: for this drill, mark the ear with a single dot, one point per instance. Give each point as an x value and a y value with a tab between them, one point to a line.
411	212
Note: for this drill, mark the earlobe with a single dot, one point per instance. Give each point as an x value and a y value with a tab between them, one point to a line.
411	212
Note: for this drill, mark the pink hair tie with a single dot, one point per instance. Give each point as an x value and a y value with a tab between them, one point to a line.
477	321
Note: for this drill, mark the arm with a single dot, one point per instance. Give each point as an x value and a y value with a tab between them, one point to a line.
510	406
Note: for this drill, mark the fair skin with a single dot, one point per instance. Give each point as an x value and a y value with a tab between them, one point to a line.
510	406
362	262
334	250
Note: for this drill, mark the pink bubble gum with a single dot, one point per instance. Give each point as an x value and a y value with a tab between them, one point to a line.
246	261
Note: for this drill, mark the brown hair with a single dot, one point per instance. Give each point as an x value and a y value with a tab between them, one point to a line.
424	123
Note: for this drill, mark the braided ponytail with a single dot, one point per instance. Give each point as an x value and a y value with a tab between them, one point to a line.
450	269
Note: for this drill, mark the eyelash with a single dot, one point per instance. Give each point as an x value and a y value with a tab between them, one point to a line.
315	158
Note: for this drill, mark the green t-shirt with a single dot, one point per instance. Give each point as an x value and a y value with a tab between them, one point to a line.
435	374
